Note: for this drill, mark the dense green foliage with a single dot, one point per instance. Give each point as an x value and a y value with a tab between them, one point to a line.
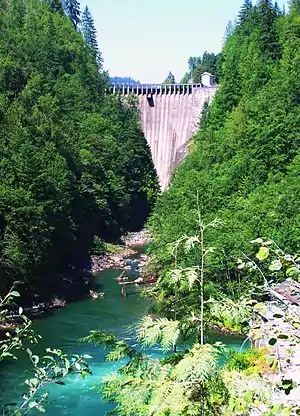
89	34
72	9
208	62
187	383
245	161
17	335
202	379
74	161
244	360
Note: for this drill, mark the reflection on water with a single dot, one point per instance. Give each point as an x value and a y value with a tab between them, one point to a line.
62	330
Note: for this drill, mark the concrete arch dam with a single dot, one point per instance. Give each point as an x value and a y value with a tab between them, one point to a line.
169	117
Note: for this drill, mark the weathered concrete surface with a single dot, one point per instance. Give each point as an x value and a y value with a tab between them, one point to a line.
169	117
169	121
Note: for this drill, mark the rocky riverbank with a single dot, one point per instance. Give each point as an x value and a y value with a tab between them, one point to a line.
141	238
122	259
44	307
108	261
70	289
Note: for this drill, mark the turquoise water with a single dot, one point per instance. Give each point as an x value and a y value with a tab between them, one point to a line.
62	330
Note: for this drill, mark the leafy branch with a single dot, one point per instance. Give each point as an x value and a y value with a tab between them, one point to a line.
47	369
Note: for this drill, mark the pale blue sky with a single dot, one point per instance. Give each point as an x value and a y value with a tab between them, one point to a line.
145	39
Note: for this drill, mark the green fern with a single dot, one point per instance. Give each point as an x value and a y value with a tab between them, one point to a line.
230	314
151	331
198	365
189	384
118	349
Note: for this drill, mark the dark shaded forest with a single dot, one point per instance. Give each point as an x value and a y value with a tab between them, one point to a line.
74	161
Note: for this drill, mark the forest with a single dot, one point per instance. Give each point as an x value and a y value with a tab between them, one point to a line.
224	231
244	165
75	164
76	168
208	62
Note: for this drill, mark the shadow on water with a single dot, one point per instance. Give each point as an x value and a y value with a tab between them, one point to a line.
113	314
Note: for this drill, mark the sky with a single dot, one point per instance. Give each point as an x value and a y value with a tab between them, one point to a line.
145	39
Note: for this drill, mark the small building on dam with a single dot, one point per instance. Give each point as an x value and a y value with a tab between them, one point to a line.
169	116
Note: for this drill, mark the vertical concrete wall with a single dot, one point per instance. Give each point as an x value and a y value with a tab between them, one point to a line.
169	120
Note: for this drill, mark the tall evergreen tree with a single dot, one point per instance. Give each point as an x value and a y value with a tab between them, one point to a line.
249	137
193	62
244	12
268	37
89	34
228	31
72	8
295	6
74	161
170	79
277	9
56	5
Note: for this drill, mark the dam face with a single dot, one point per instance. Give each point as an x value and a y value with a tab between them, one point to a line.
169	117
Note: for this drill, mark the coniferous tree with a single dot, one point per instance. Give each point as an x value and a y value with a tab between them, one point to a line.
208	62
295	6
70	168
193	62
277	9
268	37
228	31
170	79
56	5
244	12
72	8
249	139
89	34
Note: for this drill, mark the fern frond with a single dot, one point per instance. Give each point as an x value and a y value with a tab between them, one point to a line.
151	331
148	331
198	365
100	338
170	333
168	399
176	244
214	223
121	350
190	243
175	275
118	349
230	313
192	276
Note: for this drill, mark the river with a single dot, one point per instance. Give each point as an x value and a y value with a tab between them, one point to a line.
62	330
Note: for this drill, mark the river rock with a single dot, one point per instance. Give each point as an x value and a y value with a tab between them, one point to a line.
140	238
120	260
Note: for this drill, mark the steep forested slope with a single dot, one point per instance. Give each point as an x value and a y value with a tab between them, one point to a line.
245	164
74	161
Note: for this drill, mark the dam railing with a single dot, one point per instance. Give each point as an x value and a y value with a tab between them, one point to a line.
156	89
